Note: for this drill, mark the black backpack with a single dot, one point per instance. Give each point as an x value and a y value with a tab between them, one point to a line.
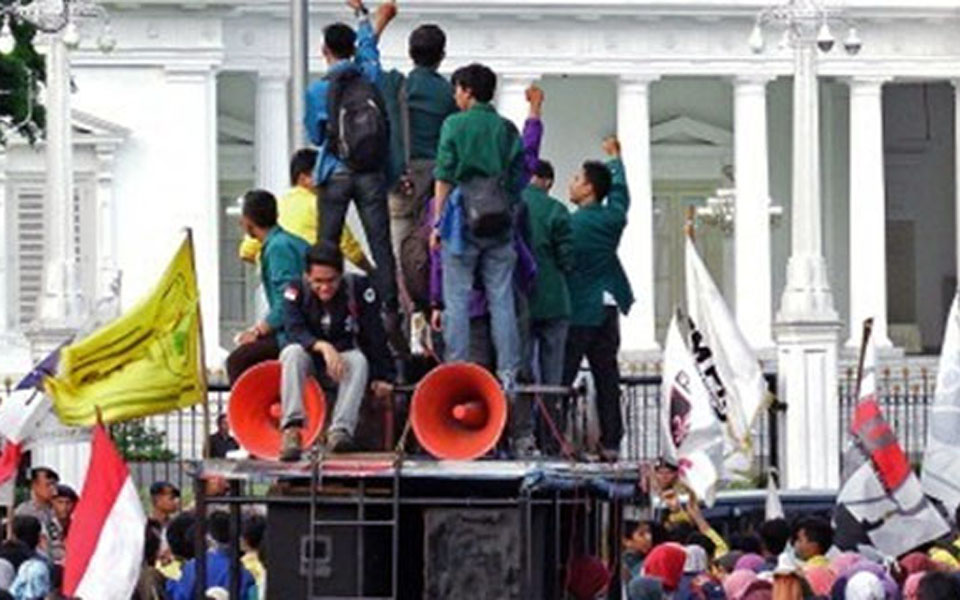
358	131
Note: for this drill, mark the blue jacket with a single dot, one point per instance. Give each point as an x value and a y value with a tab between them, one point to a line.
218	575
367	61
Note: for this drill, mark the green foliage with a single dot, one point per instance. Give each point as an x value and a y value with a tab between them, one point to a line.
21	73
137	441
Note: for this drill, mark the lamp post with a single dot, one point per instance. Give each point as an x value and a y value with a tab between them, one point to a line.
807	324
63	23
805	26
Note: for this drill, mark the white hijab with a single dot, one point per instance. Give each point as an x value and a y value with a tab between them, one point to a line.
864	586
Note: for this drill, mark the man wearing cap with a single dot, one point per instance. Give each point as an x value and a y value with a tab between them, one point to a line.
43	489
333	323
165	501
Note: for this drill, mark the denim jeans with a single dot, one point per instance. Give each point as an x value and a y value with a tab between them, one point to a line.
493	259
549	336
369	191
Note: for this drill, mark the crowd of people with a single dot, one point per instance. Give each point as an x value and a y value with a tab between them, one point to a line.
472	258
32	552
680	556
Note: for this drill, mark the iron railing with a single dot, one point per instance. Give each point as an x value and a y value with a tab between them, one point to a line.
904	395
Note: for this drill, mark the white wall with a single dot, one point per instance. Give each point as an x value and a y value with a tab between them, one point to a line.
165	172
578	113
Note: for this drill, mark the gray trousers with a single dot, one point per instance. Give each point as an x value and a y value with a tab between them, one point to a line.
298	365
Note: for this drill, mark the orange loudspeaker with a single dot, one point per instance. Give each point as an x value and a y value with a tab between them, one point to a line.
458	411
254	412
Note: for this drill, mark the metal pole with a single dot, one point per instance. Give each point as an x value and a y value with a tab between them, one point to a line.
57	303
299	69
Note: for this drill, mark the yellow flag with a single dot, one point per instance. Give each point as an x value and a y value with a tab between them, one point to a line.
146	362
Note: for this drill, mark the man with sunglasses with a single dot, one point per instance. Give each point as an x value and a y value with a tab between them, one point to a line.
332	321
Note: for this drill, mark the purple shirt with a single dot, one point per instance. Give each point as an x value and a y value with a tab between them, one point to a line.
525	272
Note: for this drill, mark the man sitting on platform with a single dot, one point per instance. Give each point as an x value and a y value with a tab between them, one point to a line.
335	331
281	261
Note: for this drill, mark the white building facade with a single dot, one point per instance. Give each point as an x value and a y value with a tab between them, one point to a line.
190	110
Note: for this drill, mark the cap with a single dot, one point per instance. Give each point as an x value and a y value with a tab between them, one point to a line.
159	487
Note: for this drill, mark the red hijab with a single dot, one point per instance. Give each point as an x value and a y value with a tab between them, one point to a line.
665	562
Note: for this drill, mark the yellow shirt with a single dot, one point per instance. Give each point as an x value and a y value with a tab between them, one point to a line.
817	561
297	214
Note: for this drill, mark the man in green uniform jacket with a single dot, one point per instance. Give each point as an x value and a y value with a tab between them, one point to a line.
599	289
281	262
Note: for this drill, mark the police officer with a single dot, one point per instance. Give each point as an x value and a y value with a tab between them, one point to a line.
333	325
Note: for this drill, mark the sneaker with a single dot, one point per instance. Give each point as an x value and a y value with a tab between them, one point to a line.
395	336
339	441
525	448
292	443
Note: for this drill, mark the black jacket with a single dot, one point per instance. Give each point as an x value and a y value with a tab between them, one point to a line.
351	320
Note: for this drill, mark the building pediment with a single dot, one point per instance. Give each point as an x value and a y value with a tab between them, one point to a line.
687	131
88	128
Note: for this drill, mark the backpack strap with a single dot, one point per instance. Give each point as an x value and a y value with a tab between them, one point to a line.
404	104
338	83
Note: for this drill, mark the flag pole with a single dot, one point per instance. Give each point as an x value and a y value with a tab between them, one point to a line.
867	329
689	228
203	353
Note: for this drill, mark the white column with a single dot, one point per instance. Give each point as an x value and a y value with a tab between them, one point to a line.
807	383
807	326
106	225
4	259
511	97
868	265
956	134
752	218
191	101
637	330
272	137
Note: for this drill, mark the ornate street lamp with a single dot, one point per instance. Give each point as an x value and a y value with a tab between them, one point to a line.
808	325
807	27
56	16
63	22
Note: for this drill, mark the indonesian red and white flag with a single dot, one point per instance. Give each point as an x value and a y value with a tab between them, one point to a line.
9	464
883	494
105	542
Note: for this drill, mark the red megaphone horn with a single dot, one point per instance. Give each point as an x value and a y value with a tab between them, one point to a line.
458	411
254	411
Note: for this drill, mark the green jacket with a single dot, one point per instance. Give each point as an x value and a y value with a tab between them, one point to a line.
281	261
551	240
430	102
596	235
480	143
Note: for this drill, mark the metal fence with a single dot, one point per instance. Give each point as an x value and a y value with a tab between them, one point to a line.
159	447
641	406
